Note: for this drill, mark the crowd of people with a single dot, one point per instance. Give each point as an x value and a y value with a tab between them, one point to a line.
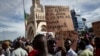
41	46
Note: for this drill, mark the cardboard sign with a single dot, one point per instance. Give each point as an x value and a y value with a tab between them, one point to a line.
61	36
96	28
58	18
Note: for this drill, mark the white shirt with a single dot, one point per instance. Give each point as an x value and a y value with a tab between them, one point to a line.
7	52
90	47
58	53
71	53
49	55
19	52
2	55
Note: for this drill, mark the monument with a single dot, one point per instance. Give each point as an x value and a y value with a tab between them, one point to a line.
36	20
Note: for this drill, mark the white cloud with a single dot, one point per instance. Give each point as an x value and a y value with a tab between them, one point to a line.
15	30
8	35
86	7
28	4
11	15
19	27
92	16
11	8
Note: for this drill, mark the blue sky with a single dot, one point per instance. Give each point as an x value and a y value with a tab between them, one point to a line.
12	18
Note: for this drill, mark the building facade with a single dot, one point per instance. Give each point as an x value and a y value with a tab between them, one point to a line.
74	18
96	28
77	21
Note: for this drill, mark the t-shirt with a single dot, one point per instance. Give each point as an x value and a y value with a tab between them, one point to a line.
90	47
19	52
49	55
86	52
58	53
97	52
33	53
71	53
7	52
2	55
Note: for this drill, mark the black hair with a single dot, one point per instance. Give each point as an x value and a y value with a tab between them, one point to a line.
67	44
50	45
17	44
82	45
87	41
68	39
39	44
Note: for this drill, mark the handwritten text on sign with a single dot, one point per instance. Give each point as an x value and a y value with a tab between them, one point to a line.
58	18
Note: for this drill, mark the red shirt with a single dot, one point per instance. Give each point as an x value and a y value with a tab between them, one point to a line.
97	52
33	53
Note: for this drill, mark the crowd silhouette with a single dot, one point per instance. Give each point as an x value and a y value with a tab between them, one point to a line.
43	45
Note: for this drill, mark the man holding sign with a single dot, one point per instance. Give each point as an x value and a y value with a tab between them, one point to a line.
58	19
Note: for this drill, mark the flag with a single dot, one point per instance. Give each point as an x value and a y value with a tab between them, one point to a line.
25	16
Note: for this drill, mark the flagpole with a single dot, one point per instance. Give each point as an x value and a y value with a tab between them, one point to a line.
3	35
24	17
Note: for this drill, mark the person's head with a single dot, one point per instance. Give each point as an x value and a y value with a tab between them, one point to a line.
51	46
87	41
82	45
67	44
17	44
39	43
6	44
